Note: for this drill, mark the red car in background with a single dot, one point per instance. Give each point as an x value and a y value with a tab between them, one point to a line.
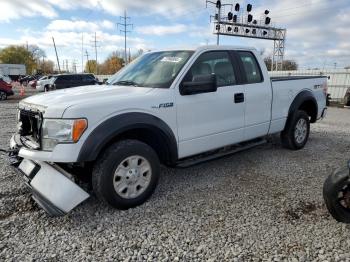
5	90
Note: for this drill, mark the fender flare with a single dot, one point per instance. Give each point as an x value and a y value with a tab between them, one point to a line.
302	97
108	130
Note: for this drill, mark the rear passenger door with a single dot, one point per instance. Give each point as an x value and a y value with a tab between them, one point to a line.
258	96
212	120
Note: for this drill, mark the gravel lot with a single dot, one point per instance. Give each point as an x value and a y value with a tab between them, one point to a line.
262	204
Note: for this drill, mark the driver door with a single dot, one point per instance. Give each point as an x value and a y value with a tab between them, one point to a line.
208	121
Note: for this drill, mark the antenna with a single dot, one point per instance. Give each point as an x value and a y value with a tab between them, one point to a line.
125	25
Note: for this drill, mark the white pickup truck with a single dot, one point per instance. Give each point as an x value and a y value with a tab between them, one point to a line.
175	108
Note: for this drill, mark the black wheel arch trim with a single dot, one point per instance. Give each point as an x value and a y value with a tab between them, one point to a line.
116	125
302	97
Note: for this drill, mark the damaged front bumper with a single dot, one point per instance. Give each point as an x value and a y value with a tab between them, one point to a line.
52	187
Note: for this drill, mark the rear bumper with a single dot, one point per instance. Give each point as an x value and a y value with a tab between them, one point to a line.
52	188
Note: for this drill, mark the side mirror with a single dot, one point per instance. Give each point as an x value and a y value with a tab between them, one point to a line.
199	84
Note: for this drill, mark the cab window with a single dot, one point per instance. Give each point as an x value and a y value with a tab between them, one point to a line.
215	62
251	67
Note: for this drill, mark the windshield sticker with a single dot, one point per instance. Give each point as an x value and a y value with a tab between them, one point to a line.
171	59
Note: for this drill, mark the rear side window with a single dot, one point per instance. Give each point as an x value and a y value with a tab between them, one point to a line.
251	67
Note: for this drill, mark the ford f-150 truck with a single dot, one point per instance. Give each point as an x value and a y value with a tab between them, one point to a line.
175	108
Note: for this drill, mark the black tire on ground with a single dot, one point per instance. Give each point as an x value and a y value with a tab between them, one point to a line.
3	96
46	89
333	185
288	135
103	174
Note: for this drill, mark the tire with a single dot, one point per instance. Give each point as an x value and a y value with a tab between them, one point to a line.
296	133
46	89
3	96
334	185
117	169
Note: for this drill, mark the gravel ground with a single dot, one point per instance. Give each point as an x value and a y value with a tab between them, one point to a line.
261	204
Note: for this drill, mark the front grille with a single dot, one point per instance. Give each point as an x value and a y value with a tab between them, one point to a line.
30	125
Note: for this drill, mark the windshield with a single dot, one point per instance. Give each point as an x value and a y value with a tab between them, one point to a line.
157	69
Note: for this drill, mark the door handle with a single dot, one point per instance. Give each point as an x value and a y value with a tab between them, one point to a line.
239	98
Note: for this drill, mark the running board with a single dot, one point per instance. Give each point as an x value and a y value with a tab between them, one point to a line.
191	161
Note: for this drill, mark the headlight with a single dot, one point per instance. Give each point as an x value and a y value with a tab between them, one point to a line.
55	131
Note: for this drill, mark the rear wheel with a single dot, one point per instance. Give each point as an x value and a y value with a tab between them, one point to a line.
296	132
126	174
3	96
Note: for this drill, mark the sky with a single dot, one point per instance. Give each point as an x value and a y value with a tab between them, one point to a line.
318	31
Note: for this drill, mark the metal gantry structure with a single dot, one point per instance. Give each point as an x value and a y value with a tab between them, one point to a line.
241	23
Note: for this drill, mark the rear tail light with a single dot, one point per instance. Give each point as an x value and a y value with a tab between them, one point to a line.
325	88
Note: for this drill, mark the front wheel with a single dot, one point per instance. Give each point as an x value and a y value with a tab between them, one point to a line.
3	96
336	194
126	174
296	132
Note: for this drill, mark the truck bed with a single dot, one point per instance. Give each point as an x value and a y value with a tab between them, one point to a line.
286	88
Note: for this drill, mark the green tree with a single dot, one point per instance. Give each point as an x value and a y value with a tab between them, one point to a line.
112	64
90	66
18	55
287	65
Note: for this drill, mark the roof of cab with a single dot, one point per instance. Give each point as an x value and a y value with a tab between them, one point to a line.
223	47
209	47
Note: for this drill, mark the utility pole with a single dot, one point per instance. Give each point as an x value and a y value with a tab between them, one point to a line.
125	25
58	62
95	47
96	55
87	60
82	52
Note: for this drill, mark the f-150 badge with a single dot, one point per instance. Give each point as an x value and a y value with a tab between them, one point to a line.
165	105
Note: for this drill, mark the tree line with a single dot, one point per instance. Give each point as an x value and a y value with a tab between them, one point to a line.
34	58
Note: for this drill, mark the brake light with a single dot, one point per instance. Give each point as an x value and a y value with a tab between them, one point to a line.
325	88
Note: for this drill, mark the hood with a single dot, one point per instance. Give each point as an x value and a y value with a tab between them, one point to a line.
57	101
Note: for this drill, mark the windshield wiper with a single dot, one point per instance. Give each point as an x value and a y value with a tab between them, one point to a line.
126	83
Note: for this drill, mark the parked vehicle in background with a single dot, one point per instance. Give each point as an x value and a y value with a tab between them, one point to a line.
347	97
336	194
176	108
43	82
71	80
6	78
13	70
5	90
32	83
24	80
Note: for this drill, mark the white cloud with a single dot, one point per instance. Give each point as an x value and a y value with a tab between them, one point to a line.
79	25
161	30
15	9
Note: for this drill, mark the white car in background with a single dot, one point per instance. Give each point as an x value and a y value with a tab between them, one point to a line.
7	79
43	82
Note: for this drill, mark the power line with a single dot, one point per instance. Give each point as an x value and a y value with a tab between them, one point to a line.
125	25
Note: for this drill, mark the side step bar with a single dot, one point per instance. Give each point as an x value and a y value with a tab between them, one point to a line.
195	160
